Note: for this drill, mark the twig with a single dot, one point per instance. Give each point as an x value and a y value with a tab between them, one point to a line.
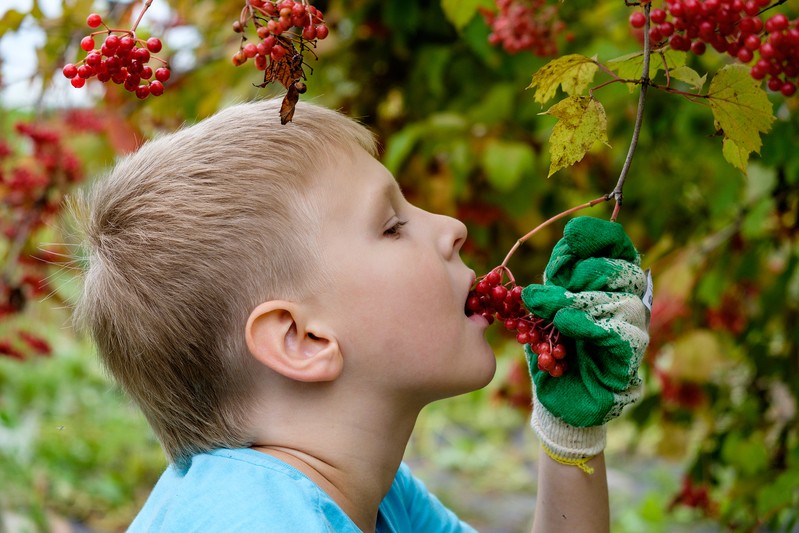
547	223
616	193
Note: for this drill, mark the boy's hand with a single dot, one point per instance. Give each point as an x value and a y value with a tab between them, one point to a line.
592	292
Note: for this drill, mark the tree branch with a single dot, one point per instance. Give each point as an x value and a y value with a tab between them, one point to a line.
616	193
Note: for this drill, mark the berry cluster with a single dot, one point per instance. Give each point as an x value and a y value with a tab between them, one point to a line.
121	58
274	23
521	25
779	55
732	27
493	299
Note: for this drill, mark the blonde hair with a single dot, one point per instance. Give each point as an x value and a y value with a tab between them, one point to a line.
182	240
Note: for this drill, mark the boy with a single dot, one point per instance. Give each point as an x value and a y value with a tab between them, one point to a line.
281	314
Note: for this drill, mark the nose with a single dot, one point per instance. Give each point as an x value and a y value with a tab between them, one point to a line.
453	236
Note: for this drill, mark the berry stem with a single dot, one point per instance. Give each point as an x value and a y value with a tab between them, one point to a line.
616	193
144	9
546	223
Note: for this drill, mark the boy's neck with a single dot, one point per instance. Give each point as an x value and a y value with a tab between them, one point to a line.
354	461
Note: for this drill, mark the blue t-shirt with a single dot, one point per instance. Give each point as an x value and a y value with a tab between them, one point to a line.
244	490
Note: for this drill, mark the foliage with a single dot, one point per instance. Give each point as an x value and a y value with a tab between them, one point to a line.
712	202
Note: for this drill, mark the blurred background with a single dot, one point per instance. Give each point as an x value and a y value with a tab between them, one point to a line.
714	443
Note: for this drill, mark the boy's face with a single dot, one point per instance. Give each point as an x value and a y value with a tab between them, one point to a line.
397	287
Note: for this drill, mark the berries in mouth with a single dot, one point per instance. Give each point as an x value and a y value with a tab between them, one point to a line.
501	302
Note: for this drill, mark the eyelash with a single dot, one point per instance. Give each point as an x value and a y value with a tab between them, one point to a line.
395	231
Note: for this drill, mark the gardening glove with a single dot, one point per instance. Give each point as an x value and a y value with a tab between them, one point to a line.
592	292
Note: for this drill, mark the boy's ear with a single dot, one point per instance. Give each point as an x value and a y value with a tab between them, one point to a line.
279	337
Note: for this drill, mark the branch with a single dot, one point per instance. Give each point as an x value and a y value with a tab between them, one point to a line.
546	223
616	193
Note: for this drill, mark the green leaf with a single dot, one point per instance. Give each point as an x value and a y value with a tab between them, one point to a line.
631	66
689	76
581	123
741	111
459	12
400	146
506	162
573	72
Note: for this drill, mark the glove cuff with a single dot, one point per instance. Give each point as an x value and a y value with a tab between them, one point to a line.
564	443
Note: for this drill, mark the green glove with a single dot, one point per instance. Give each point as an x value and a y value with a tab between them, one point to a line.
592	292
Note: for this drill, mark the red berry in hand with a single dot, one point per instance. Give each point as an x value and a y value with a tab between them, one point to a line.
546	362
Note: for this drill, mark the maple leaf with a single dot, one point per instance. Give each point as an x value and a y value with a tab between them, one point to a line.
573	72
741	111
581	123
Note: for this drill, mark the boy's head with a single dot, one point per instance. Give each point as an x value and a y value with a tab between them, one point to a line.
184	238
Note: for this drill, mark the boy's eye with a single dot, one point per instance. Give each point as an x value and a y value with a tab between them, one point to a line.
396	230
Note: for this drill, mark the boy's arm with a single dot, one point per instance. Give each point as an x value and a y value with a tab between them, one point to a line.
592	293
569	500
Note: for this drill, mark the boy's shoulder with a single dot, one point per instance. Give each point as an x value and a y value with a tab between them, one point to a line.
238	490
246	490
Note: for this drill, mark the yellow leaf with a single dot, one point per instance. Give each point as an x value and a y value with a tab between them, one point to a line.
741	111
573	72
581	123
735	155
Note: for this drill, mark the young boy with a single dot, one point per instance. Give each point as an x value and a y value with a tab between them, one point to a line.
281	314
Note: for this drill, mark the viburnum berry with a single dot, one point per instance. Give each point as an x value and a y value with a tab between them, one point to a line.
524	25
732	27
284	28
94	20
494	300
122	59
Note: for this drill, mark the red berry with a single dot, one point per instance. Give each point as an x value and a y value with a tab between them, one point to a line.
94	20
637	19
499	293
70	70
546	362
154	45
788	89
87	43
321	31
511	324
558	351
78	82
558	369
250	50
156	88
493	277
142	92
522	338
483	286
162	74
